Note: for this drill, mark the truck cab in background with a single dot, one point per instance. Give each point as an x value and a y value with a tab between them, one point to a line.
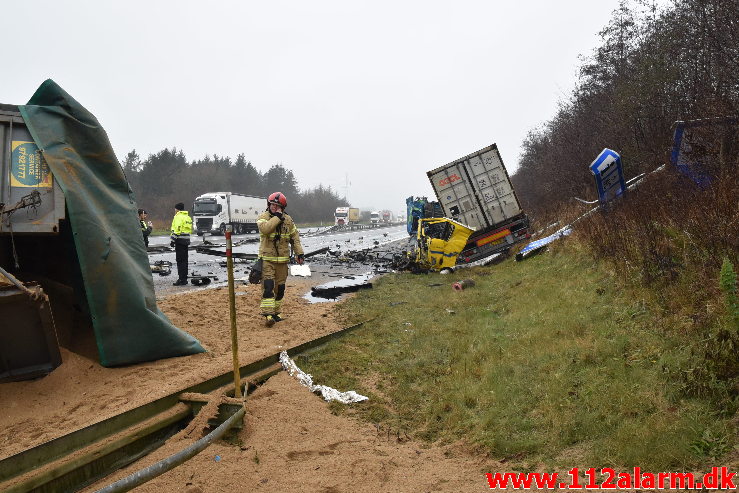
375	217
345	216
212	212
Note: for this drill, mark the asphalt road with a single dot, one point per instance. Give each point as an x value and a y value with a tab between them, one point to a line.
383	241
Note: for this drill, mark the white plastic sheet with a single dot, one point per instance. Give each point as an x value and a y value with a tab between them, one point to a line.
329	394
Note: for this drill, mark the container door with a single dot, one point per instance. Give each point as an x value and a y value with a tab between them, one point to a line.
456	196
491	184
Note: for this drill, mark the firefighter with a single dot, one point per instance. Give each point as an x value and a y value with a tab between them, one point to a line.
146	226
277	233
181	229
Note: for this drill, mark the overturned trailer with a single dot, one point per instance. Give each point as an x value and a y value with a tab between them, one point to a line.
476	190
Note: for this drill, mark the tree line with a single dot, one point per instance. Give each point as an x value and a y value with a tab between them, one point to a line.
655	65
167	177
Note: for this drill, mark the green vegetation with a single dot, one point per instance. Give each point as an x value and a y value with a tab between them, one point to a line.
160	232
167	177
657	63
553	360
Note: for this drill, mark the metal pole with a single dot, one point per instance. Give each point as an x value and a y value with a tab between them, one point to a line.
232	310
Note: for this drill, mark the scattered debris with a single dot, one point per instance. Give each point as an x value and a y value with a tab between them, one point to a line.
333	292
539	245
328	393
300	270
201	280
463	284
161	267
222	253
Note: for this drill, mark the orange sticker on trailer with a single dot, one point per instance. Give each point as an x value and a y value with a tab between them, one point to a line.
495	236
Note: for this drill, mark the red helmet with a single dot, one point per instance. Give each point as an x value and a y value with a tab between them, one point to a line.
277	198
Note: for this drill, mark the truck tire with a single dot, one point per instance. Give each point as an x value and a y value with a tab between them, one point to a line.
223	229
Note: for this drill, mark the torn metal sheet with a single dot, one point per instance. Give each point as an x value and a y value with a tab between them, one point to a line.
328	393
536	246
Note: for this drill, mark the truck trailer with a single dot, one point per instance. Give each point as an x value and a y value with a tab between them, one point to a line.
71	244
345	216
476	190
212	212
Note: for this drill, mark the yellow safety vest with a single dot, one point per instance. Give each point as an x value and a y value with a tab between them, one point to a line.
181	225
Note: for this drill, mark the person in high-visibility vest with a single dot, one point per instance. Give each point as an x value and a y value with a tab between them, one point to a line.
146	226
180	240
277	233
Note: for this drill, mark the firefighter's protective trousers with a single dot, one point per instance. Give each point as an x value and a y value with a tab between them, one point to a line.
276	238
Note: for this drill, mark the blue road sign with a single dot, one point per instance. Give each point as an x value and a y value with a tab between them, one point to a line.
609	175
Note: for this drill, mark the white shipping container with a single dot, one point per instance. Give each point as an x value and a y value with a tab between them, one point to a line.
476	190
212	212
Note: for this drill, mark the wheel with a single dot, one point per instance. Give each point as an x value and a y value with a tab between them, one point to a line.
223	229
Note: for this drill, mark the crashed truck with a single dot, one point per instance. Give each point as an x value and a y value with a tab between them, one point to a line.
477	203
74	271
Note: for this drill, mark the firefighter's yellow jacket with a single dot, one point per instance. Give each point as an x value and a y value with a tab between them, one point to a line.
276	238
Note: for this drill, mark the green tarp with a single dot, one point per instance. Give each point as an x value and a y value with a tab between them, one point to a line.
129	328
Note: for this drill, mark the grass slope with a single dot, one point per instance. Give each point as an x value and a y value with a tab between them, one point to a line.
544	361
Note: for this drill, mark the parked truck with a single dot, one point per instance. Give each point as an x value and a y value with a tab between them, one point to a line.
345	216
476	190
212	212
386	217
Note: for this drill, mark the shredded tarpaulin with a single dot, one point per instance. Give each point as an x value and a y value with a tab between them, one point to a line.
329	394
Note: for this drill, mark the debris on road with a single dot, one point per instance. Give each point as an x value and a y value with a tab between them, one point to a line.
161	267
333	292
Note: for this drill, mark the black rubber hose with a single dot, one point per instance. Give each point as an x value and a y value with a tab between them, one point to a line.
164	465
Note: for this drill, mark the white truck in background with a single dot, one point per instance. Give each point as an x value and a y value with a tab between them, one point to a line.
345	216
375	217
213	211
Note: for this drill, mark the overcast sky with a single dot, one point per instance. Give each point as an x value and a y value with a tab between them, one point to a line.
375	92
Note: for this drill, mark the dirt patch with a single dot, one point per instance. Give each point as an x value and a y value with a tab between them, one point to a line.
292	442
82	392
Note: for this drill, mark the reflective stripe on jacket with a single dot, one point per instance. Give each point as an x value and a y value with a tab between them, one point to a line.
275	238
181	225
145	228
